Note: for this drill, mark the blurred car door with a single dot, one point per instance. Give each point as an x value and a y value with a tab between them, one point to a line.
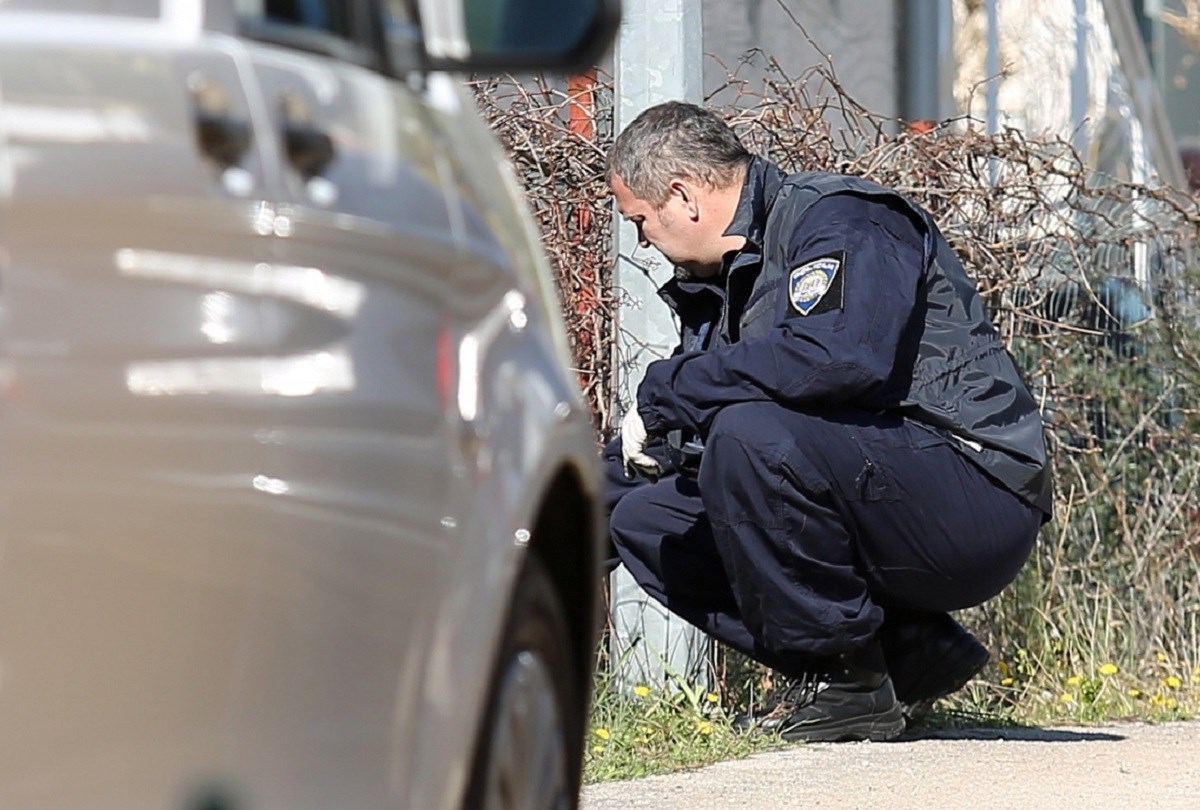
358	454
300	503
137	220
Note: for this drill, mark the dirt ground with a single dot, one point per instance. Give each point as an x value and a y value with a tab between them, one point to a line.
1124	766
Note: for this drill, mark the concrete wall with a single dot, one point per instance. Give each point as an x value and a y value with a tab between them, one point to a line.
860	36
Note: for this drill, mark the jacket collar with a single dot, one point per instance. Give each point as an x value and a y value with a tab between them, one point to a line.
762	184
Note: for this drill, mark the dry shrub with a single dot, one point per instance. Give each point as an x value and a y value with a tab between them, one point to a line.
556	137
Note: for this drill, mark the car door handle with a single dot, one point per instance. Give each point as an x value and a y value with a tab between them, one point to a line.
222	136
309	150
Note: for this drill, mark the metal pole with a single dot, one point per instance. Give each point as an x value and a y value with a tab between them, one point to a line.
1080	80
992	69
658	58
927	59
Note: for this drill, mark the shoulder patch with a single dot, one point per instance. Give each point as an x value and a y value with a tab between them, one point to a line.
816	286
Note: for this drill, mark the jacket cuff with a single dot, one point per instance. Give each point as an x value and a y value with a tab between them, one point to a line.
657	381
652	420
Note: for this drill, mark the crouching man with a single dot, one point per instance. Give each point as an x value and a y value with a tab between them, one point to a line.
841	450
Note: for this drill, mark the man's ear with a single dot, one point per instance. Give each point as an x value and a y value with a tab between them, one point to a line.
685	190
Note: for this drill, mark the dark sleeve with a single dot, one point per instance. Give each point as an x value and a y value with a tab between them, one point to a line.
843	327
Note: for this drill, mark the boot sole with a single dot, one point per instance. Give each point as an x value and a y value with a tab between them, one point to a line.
879	727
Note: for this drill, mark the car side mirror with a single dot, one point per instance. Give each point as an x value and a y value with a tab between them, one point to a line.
516	35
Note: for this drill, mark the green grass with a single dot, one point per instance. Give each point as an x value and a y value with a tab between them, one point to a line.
646	731
1061	691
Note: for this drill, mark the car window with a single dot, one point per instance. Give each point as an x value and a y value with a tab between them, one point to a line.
118	8
336	28
324	16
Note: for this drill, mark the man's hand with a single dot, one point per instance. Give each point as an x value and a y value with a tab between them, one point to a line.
633	446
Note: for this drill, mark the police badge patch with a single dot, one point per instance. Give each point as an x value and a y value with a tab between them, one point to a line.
816	286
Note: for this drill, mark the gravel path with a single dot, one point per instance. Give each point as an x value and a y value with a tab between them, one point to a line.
1126	766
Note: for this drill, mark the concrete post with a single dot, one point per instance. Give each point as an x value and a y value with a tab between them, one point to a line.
658	58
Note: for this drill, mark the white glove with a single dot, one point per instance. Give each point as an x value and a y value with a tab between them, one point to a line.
633	446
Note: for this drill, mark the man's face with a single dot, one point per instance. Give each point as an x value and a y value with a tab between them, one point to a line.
671	228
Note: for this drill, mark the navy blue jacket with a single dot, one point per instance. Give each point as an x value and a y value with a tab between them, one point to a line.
846	294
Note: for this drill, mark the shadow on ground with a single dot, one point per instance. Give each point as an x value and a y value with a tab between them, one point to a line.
1015	733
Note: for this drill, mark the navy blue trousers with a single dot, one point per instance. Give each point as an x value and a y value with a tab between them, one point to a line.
804	527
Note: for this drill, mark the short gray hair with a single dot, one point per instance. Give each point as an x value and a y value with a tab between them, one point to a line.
675	139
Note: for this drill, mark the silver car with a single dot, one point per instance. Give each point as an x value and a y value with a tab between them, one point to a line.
299	496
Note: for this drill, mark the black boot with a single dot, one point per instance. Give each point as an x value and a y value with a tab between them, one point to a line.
846	698
929	656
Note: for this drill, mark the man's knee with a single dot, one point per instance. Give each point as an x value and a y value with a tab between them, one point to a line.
748	443
738	435
740	421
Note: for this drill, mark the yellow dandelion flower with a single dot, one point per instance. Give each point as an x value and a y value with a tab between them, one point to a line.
713	697
1067	697
704	727
1135	693
1074	680
603	733
1172	682
1006	681
1172	703
1162	658
1108	669
641	691
1157	700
